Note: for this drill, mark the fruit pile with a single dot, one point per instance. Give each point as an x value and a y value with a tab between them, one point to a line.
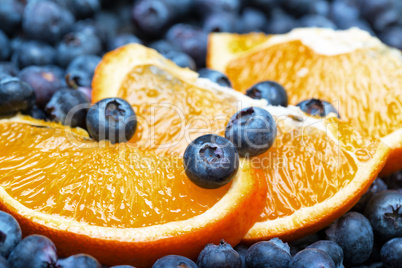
119	147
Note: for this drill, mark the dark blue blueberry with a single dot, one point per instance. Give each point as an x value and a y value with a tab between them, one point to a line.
391	253
242	250
174	261
298	7
210	161
123	266
252	131
34	251
267	255
36	113
387	14
332	249
343	11
77	44
354	234
384	211
280	244
312	258
106	25
207	7
313	20
69	107
191	40
87	25
317	107
11	15
15	96
83	8
163	46
3	263
46	21
359	23
305	241
265	6
111	119
271	91
220	22
377	186
87	91
394	181
10	234
152	17
392	37
181	59
81	70
215	76
8	68
280	22
5	46
45	80
222	255
121	40
251	20
34	53
79	261
181	7
320	7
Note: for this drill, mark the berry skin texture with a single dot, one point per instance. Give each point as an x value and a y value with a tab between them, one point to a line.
210	161
317	107
242	250
11	15
215	76
81	70
332	249
36	113
391	253
15	96
3	263
384	211
65	101
266	254
34	251
34	53
271	91
170	261
377	186
79	261
312	258
5	46
252	131
10	234
219	256
111	119
354	234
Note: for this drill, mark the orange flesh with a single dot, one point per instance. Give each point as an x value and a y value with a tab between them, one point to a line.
363	85
103	185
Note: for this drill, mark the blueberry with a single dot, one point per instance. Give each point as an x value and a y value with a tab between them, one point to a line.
354	234
267	254
34	53
123	266
313	20
392	37
121	40
384	211
332	249
394	181
180	59
45	80
251	20
5	46
79	261
305	241
83	8
11	15
15	96
298	7
311	258
36	112
280	22
377	186
46	21
69	107
34	251
317	107
171	261
3	263
219	22
191	40
111	119
8	68
76	44
210	161
215	76
271	91
206	7
242	250
342	11
391	253
320	7
359	23
219	256
81	70
265	6
10	234
152	17
252	131
87	91
280	244
106	25
163	46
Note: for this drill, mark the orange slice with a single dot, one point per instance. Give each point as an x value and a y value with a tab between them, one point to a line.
351	69
120	204
316	170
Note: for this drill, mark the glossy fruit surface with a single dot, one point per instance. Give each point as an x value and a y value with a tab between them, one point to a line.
15	96
312	258
391	253
221	255
332	249
270	91
80	71
174	261
267	254
34	53
10	233
317	107
79	261
215	76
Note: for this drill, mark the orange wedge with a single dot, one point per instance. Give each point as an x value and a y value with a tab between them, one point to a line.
316	170
351	69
